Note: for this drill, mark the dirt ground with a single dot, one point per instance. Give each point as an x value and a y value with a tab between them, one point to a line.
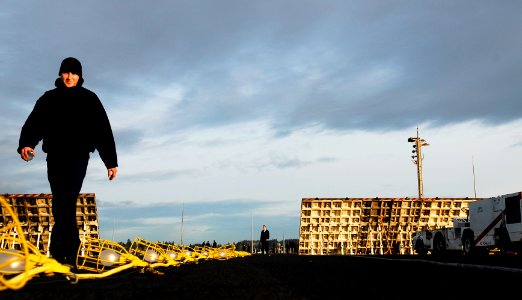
283	277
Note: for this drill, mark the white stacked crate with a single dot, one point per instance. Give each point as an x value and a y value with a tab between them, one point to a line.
376	226
34	211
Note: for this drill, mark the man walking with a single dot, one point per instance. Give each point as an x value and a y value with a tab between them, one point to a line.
72	122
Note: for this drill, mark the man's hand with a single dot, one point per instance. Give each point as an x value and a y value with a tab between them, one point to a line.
27	153
112	173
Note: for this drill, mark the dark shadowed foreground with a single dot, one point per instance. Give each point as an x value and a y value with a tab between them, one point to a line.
287	277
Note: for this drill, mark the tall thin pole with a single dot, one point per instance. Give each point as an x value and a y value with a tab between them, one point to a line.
419	166
252	232
474	186
113	226
182	212
417	156
284	246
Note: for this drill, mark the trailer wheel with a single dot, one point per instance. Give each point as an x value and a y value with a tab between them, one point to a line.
467	244
419	248
439	245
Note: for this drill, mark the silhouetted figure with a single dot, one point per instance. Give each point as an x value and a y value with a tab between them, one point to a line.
265	235
71	123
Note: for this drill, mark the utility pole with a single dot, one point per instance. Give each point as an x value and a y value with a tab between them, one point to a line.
182	212
252	232
474	186
417	159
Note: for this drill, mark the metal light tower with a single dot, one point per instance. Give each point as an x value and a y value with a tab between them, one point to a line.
417	158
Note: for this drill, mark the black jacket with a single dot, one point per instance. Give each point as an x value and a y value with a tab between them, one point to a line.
70	118
265	235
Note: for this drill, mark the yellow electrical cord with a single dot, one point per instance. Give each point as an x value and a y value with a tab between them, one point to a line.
20	261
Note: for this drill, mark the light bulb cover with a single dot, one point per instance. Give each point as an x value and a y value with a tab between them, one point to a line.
150	256
11	262
172	254
109	257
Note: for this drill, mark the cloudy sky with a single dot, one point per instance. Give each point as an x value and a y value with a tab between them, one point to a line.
230	112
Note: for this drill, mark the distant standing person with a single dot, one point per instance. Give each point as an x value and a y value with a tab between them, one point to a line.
71	122
265	235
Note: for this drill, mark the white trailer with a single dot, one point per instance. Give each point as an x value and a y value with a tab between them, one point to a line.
493	224
438	241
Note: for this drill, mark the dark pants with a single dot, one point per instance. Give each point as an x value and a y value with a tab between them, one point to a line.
66	177
264	247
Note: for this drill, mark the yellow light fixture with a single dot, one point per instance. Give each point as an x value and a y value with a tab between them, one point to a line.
151	253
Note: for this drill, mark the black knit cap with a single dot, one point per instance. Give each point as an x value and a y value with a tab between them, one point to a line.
71	64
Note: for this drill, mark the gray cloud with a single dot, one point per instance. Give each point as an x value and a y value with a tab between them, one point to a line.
341	64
